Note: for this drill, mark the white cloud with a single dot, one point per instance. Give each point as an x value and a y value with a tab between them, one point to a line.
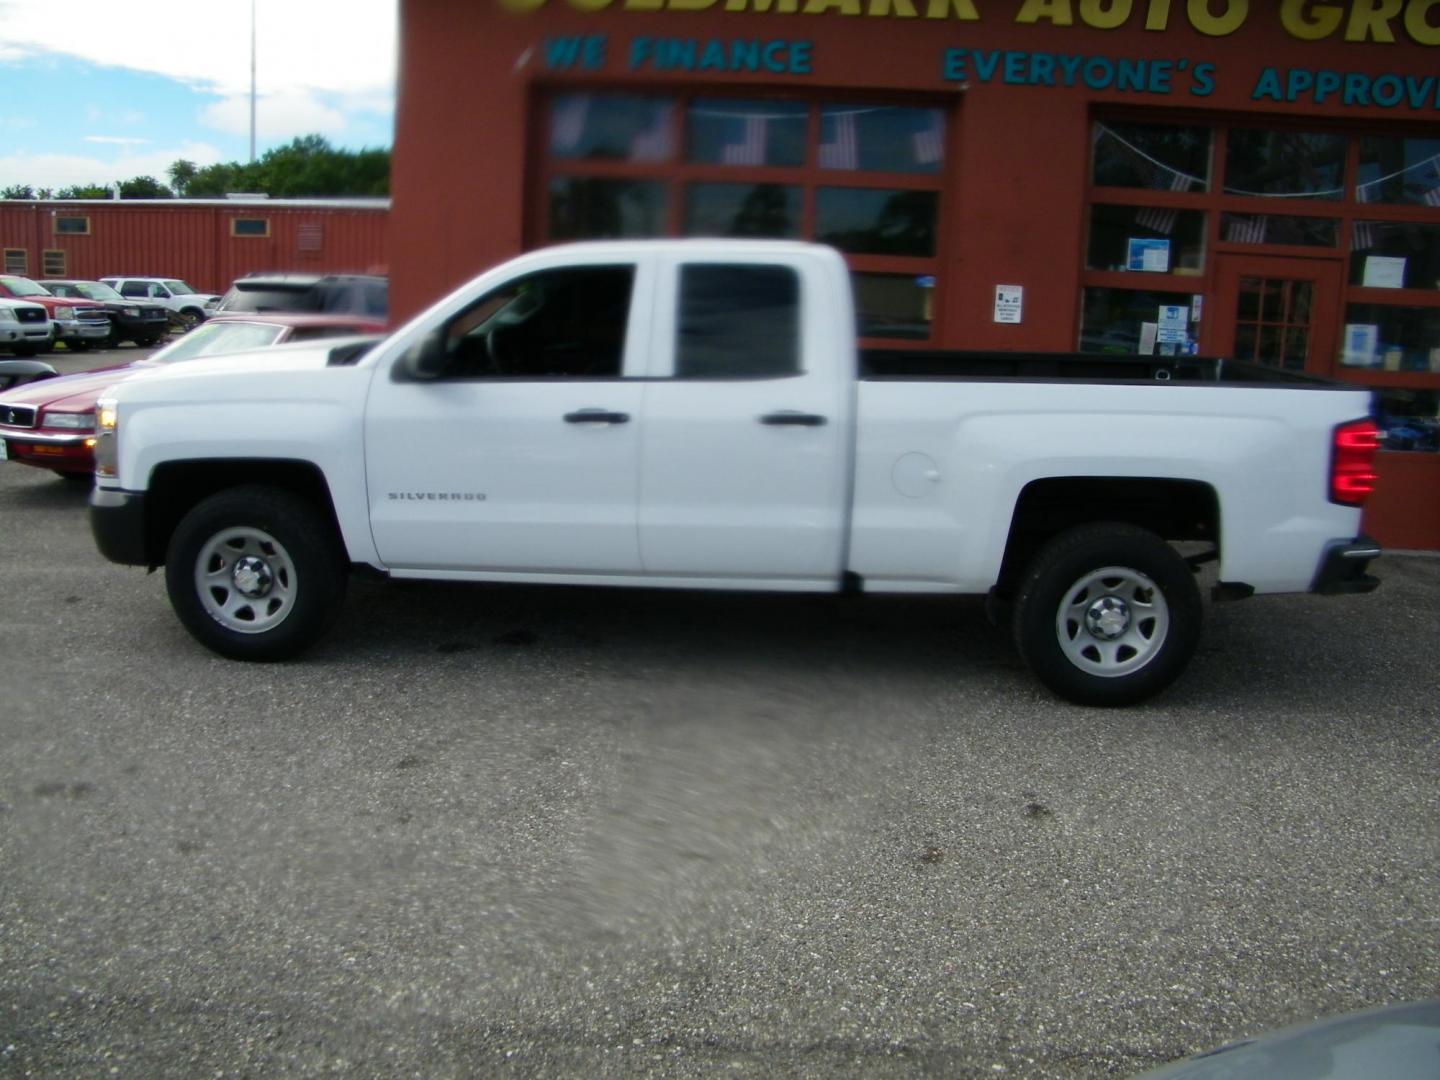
66	170
303	46
277	116
114	140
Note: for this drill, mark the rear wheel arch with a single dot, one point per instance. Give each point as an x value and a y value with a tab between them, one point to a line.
1172	509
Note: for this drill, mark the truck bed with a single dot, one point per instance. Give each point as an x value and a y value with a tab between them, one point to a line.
1084	367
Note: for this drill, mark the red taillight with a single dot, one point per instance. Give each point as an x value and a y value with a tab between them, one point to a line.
1352	462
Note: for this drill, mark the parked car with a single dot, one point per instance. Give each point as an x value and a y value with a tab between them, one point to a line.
77	323
354	294
699	413
188	307
130	320
53	426
25	327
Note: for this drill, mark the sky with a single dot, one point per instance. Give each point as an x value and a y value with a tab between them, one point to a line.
99	91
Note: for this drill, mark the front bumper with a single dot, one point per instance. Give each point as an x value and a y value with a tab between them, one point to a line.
144	326
74	330
1342	567
64	453
117	521
29	335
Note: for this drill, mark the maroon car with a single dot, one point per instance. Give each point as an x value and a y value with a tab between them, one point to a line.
51	424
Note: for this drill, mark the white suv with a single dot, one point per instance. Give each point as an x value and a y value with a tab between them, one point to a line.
187	307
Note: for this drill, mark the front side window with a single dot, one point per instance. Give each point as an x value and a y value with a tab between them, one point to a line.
737	321
564	323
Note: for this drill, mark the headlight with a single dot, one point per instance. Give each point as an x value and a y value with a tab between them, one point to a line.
70	421
106	454
64	313
7	313
131	312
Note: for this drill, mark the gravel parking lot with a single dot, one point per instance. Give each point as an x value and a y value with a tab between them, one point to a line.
577	832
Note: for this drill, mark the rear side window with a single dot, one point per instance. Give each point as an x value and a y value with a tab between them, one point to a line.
134	288
738	322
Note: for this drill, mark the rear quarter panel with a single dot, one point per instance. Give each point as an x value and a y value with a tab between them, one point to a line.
941	464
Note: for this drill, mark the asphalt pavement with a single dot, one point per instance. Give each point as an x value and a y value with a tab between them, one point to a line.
524	831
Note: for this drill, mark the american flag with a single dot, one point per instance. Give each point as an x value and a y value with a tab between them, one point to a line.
1246	229
655	144
567	122
843	152
750	150
1157	218
1431	197
1362	235
930	143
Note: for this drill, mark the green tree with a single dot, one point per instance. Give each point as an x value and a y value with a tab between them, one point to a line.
182	174
306	166
17	191
84	191
144	187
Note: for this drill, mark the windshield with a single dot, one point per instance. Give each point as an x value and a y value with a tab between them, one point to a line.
269	298
179	288
93	290
23	287
211	338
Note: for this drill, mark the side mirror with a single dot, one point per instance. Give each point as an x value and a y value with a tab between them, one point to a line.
427	359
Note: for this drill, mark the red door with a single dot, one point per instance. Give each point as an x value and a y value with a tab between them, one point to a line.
1279	312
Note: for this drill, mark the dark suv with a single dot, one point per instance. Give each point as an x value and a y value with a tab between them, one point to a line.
341	294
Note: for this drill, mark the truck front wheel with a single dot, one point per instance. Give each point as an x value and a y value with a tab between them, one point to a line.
1107	614
255	573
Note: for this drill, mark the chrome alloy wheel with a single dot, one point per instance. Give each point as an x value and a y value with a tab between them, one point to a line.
1112	622
245	580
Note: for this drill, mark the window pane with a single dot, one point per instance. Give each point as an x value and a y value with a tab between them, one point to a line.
742	210
739	132
893	305
1391	338
1114	321
1287	163
250	227
1274	229
591	209
1395	254
1162	157
611	127
72	225
557	323
1173	241
869	221
1399	171
883	138
1410	419
738	322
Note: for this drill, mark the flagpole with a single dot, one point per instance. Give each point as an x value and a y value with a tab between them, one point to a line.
252	82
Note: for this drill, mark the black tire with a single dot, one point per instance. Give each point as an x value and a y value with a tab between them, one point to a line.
276	571
188	319
1107	614
24	349
146	342
78	346
77	480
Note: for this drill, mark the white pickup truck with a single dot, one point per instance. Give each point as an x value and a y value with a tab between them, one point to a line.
698	414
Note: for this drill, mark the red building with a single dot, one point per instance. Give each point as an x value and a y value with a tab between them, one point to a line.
205	242
1227	177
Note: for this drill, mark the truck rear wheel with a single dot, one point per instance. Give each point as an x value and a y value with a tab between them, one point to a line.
1107	614
255	573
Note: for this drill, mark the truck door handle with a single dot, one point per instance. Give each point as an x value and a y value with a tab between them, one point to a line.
789	417
596	416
